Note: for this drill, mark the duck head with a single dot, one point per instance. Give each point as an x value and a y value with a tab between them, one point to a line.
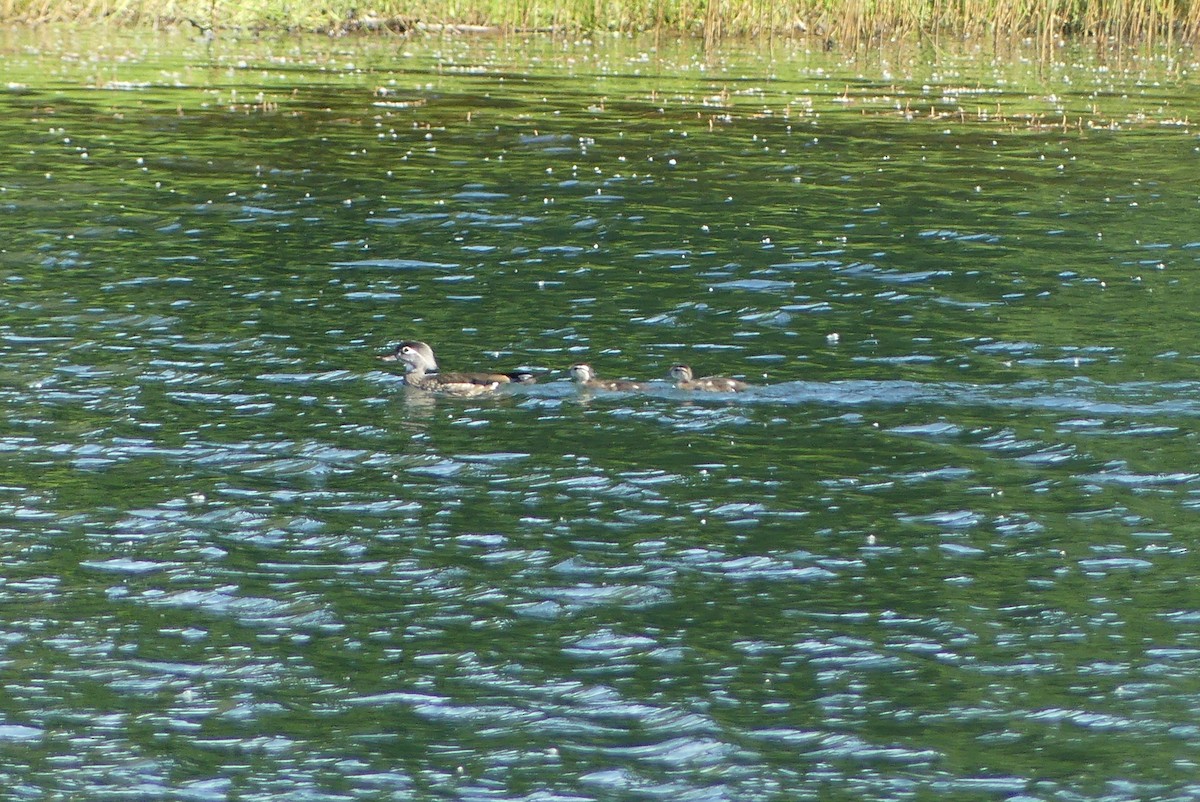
582	372
681	373
415	355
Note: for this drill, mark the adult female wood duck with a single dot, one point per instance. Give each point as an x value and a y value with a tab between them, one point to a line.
421	371
682	374
585	376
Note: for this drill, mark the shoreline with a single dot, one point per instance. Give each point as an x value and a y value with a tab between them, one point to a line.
834	25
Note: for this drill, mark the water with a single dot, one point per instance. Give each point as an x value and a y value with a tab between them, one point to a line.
941	549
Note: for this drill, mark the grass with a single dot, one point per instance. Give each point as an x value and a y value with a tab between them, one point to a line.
841	23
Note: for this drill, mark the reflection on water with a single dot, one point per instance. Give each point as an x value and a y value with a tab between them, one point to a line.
938	549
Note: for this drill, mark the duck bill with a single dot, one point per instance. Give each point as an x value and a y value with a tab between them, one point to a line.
387	357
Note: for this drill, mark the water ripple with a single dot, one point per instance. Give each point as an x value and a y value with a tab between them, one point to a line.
939	548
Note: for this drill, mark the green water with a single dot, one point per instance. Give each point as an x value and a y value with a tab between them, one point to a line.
942	548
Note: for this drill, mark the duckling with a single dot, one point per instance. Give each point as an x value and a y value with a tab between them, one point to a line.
421	372
682	374
586	377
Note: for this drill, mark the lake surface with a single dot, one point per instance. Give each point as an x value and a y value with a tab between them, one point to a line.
944	548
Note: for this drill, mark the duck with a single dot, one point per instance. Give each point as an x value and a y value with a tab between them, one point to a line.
421	372
585	376
682	374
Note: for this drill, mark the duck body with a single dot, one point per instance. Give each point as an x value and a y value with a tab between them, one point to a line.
682	374
421	372
585	376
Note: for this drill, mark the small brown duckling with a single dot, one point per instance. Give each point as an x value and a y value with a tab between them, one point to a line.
421	372
682	374
585	376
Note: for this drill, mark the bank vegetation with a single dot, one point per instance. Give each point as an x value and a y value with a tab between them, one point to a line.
837	23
